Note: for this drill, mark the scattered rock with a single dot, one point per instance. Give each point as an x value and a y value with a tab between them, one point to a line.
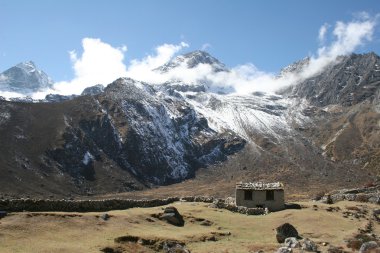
368	247
376	214
284	250
111	250
174	247
206	223
149	219
172	216
333	249
105	216
309	245
284	231
292	242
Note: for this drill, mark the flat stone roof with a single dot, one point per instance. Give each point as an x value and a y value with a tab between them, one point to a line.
259	186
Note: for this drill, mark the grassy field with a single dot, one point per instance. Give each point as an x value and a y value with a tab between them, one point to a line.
226	231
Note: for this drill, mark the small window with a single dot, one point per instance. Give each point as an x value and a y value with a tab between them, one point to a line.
270	195
247	195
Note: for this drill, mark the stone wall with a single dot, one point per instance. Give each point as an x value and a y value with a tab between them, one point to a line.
46	205
63	205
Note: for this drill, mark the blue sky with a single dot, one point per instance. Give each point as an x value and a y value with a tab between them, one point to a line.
268	34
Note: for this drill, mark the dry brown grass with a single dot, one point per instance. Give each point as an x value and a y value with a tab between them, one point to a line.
63	232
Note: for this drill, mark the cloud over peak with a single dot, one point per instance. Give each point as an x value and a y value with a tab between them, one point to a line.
101	63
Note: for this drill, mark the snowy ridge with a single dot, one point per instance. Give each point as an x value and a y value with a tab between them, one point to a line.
264	114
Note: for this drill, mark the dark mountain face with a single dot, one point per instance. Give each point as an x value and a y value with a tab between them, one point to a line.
24	78
352	80
123	139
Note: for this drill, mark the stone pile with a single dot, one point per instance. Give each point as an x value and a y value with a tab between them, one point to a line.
365	194
223	204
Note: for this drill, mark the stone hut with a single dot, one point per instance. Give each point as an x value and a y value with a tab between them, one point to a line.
260	195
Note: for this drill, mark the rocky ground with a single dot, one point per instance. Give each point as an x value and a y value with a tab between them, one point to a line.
195	227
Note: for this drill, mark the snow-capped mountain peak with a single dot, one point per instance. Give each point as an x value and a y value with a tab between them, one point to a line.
192	60
29	66
24	78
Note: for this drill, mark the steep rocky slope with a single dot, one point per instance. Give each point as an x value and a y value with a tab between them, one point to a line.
344	108
124	139
323	131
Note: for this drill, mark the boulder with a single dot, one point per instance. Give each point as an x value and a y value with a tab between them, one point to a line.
309	245
284	231
292	242
368	247
105	216
172	216
284	250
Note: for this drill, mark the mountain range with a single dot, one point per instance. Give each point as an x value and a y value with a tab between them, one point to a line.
323	131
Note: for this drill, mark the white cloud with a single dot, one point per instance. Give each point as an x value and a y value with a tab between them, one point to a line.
10	94
247	78
100	63
103	63
124	48
205	46
143	69
322	33
348	37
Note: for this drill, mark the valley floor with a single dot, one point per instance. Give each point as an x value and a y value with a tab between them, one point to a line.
206	229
